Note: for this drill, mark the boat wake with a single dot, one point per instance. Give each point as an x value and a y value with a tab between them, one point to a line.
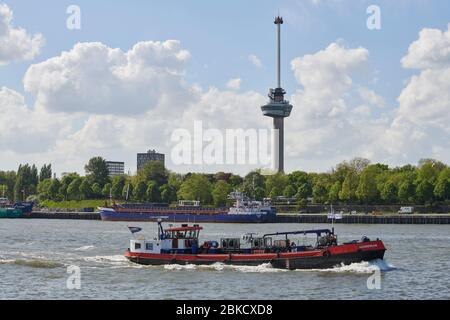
263	268
84	248
116	260
360	267
33	263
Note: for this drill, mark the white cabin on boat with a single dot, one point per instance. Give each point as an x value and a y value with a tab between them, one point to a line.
173	240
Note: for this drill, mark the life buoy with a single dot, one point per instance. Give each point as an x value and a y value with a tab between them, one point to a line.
206	245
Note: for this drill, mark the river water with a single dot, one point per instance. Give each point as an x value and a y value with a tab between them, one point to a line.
35	256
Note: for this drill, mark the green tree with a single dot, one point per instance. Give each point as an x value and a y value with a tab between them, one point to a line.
424	192
333	194
367	191
127	191
43	189
106	191
289	191
153	171
97	171
26	182
66	180
253	184
8	179
442	188
19	188
389	192
406	192
96	190
235	181
73	190
118	182
46	172
85	189
220	193
139	191
196	187
152	193
55	185
349	186
275	185
168	193
320	192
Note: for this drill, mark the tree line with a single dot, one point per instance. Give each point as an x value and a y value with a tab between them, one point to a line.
350	182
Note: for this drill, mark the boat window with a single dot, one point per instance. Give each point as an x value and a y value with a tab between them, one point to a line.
149	246
137	246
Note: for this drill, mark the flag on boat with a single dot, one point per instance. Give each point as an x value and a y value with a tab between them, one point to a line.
134	229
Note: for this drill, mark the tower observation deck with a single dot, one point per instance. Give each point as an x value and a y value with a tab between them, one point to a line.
278	109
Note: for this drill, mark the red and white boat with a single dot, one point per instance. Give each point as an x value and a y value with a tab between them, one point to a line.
180	245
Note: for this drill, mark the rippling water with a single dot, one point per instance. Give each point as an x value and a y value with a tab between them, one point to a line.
35	254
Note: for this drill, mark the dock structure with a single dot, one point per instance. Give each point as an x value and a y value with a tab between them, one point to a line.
287	218
63	215
367	219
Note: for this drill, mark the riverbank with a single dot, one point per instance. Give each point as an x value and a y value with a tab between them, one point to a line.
287	218
367	218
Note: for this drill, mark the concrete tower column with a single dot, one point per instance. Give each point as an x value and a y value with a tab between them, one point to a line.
278	144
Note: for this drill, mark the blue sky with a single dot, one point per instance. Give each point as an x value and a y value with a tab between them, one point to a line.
220	35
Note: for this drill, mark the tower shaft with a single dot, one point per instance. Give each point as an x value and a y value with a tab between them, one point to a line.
278	144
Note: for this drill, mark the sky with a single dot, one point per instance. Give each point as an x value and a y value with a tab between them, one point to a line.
137	71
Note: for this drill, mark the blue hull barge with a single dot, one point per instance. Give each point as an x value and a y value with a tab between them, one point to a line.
243	211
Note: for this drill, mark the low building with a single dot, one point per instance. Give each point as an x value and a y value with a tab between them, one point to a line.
115	168
151	155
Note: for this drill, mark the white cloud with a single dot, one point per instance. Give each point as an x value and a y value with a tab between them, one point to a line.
255	60
430	51
325	78
370	97
95	100
25	130
420	125
234	84
15	43
426	99
332	119
101	80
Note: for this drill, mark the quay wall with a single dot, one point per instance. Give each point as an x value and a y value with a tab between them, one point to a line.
319	208
64	215
286	218
366	219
